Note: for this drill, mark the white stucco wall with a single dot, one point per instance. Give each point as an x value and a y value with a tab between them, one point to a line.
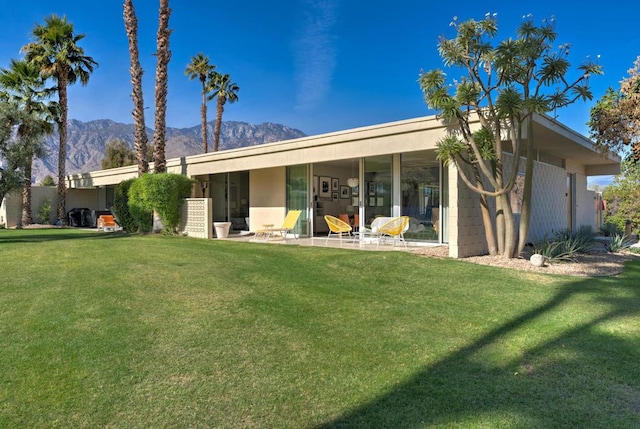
267	188
11	210
585	203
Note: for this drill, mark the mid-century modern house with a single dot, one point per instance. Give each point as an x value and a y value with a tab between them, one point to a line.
382	170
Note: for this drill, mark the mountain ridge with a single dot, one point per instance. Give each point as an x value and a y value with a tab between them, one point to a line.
86	142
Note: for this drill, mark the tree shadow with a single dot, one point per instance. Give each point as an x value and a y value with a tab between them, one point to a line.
41	236
587	371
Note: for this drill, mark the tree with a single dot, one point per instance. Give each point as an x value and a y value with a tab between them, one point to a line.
500	88
224	90
200	68
47	181
56	53
21	136
140	134
615	119
24	86
623	196
118	154
163	55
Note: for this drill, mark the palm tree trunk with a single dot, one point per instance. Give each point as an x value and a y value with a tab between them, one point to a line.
219	110
140	134
62	150
27	218
203	113
164	55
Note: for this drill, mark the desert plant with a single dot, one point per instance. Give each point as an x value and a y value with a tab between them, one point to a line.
566	245
44	212
618	242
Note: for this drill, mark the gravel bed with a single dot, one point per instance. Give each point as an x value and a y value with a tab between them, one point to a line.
595	264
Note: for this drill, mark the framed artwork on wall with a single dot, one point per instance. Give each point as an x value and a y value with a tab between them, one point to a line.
371	188
335	184
335	196
324	187
345	192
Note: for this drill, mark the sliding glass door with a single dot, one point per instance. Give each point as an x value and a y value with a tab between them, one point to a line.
298	195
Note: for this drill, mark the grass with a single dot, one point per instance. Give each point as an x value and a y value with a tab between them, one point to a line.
109	330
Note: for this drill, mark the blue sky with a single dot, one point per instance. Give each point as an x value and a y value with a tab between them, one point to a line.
316	65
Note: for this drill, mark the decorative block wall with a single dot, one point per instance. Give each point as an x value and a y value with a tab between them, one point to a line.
548	201
195	218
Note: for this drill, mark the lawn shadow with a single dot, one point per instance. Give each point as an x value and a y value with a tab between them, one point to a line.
56	234
585	376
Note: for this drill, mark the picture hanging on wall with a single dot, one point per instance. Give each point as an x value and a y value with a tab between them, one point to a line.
335	196
345	192
324	188
335	184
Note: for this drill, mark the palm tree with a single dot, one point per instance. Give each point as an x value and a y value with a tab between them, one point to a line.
163	55
200	68
224	90
25	87
140	135
57	54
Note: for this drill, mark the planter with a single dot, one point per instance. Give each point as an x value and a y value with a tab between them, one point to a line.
222	229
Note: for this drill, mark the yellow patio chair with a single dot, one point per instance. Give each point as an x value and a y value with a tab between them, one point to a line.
394	228
337	227
288	225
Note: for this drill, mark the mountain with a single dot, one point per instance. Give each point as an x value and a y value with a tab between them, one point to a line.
86	142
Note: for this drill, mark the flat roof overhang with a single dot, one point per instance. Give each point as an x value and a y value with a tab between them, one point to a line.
410	135
558	140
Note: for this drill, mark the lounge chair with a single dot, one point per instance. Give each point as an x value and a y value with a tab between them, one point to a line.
106	223
337	227
288	225
394	228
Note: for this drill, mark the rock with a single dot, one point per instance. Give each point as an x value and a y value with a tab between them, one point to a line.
537	260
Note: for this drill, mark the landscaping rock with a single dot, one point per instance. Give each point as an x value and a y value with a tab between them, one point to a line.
537	260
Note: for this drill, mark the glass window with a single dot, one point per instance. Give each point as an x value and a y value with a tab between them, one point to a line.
297	194
420	187
376	190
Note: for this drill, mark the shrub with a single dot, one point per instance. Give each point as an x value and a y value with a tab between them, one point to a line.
121	207
609	229
140	212
566	245
44	212
162	193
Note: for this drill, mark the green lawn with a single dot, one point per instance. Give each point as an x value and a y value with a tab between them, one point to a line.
109	330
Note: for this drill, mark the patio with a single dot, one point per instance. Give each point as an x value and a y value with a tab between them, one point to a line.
368	244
